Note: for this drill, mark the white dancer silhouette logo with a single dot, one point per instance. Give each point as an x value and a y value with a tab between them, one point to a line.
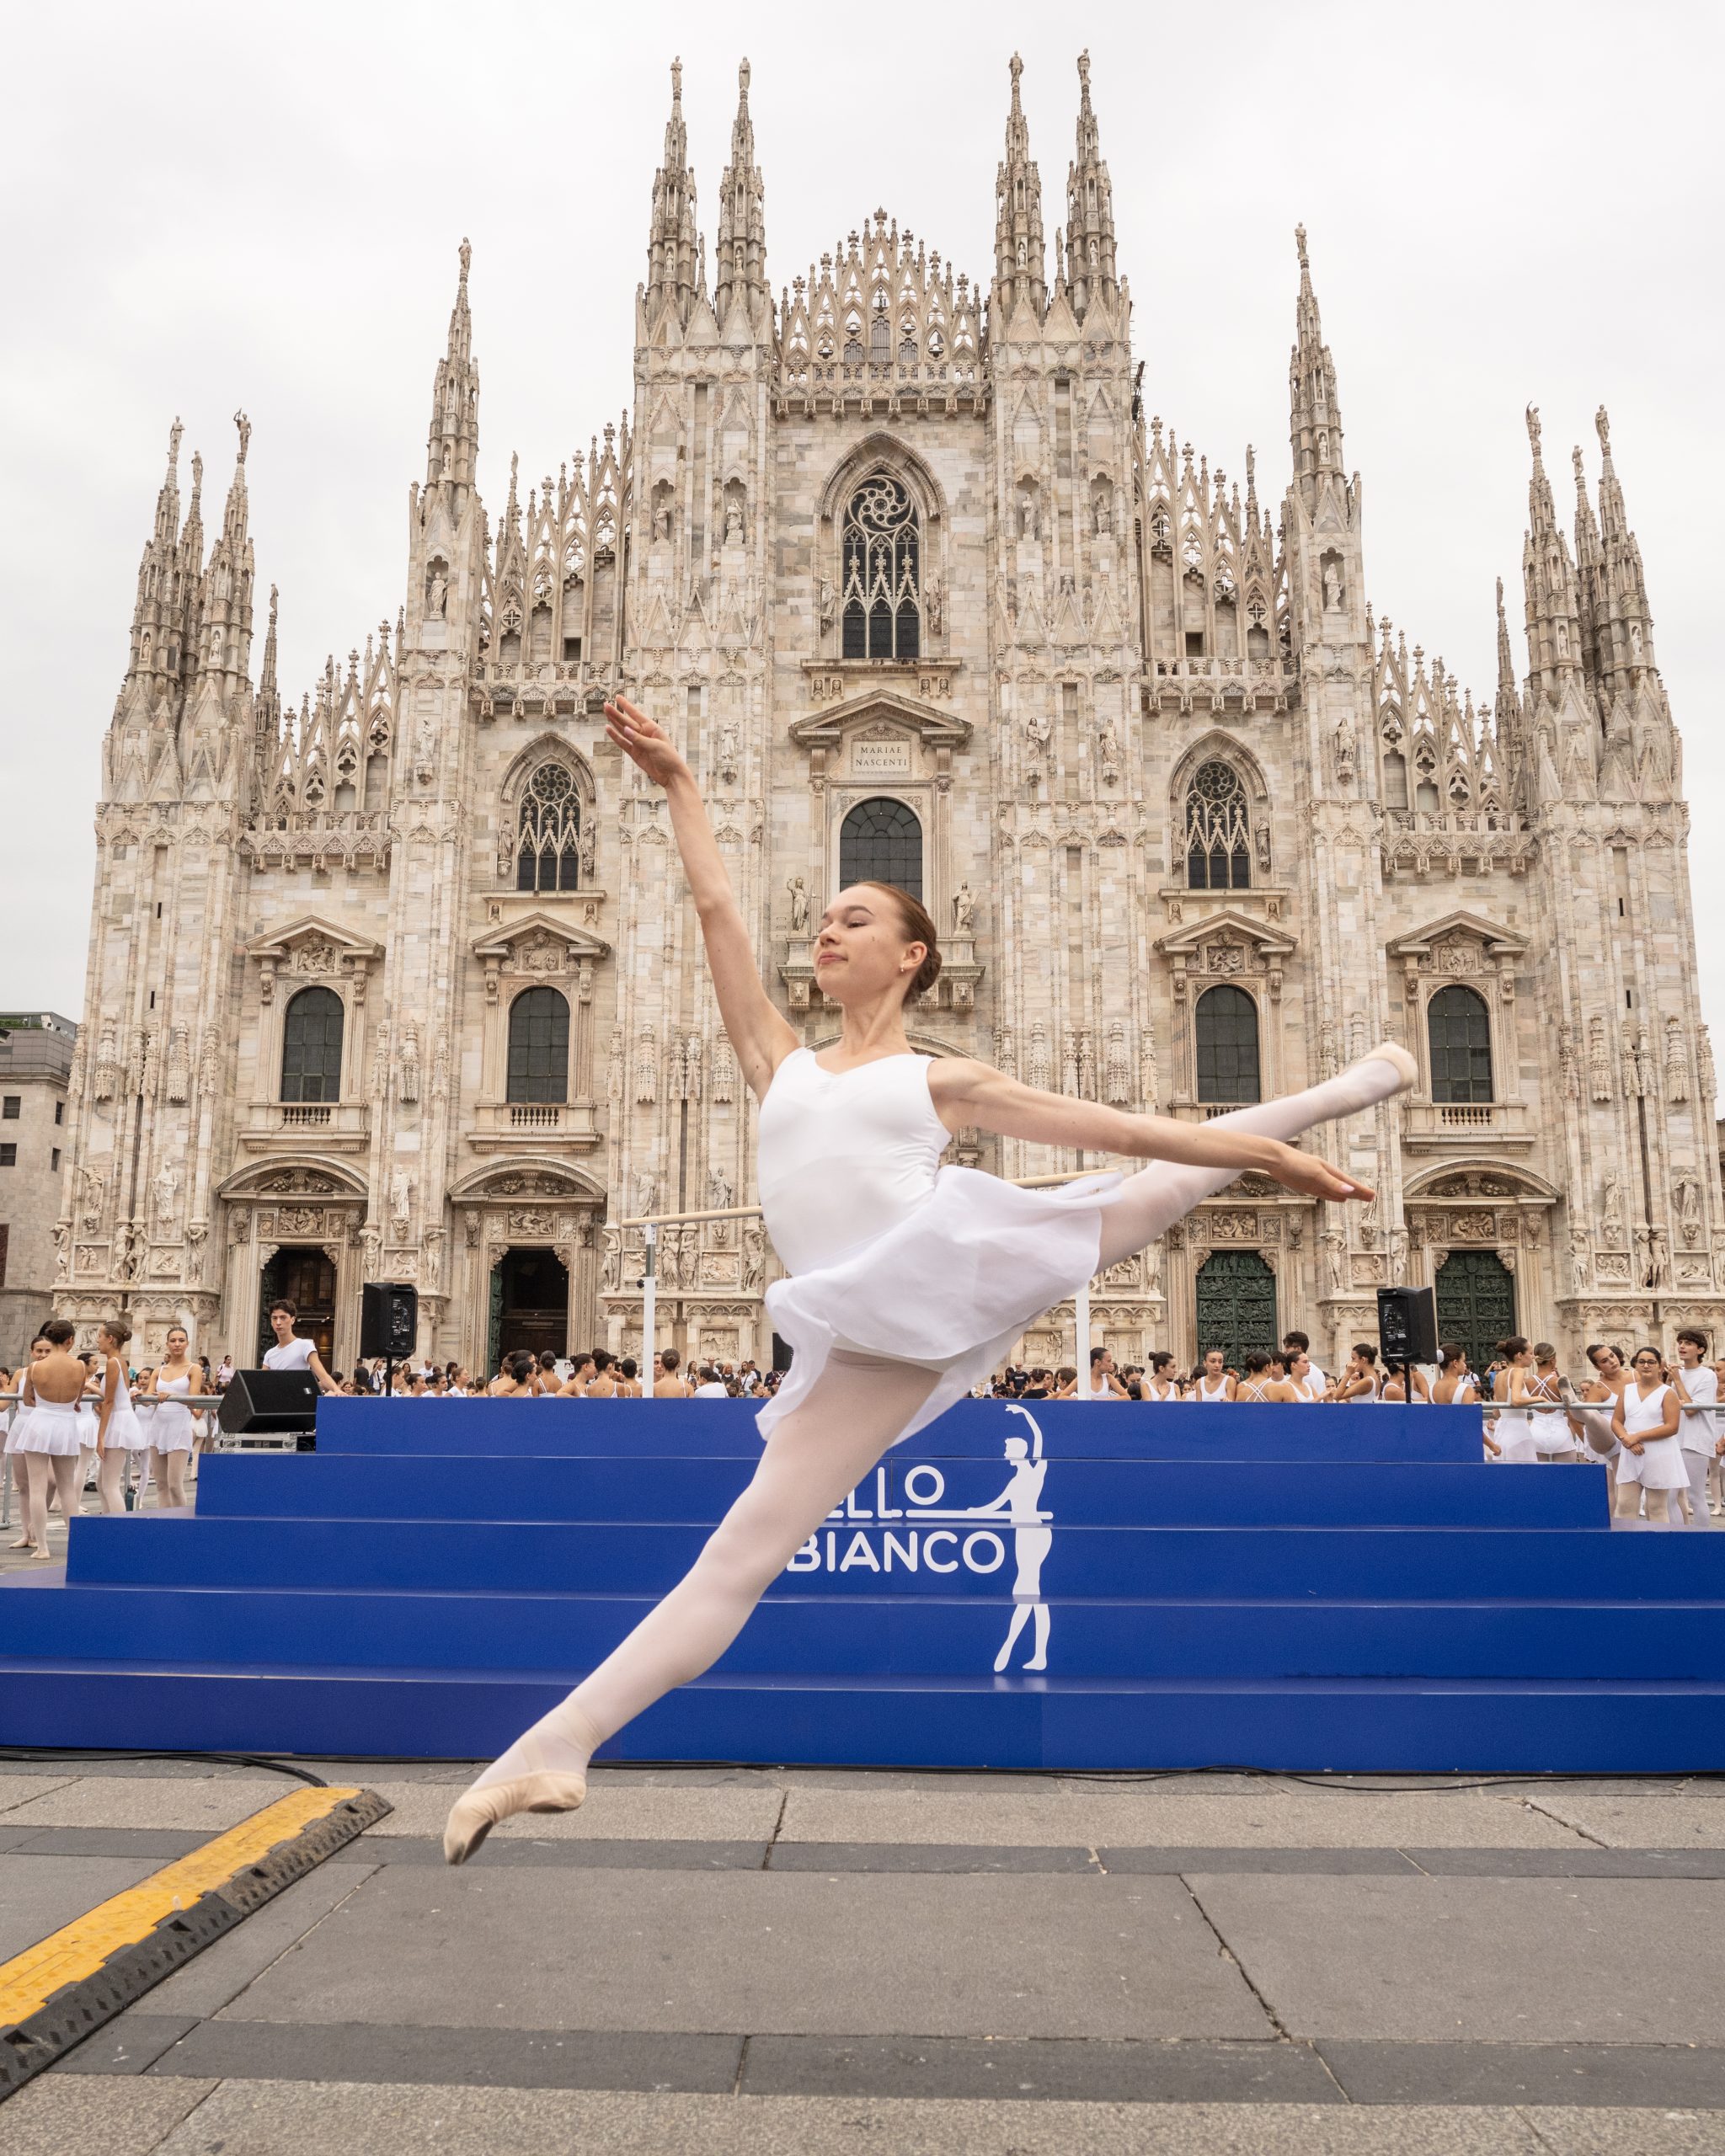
869	1532
1020	1502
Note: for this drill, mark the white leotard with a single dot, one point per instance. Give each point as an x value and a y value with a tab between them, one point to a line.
1147	1392
1659	1464
1253	1388
1699	1433
172	1423
1221	1388
1552	1433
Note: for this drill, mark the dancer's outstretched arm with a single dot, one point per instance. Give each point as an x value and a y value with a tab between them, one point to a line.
760	1036
968	1092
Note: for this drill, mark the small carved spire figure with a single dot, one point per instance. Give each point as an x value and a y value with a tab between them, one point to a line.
1117	1071
408	1072
1599	1059
1611	1211
1038	1071
826	603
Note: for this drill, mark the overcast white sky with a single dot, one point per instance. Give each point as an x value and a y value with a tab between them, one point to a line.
219	205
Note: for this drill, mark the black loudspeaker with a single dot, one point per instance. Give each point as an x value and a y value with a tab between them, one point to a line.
269	1403
1407	1325
781	1354
389	1319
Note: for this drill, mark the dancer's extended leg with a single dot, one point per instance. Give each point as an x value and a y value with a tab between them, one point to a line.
1151	1202
813	1457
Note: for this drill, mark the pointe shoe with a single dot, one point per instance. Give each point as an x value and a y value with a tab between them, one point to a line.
474	1814
1398	1060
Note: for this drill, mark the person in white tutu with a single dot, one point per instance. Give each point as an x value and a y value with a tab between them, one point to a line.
169	1423
119	1434
47	1444
909	1283
1650	1453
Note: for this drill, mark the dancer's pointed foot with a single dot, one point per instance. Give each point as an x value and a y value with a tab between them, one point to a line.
1399	1060
474	1814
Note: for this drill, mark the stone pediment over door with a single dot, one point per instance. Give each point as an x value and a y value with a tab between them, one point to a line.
1459	944
311	949
539	947
1223	946
882	735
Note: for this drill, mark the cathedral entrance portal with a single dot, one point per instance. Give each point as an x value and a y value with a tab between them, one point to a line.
306	1279
530	1304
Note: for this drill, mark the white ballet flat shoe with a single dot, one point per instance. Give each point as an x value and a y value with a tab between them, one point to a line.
474	1814
1398	1060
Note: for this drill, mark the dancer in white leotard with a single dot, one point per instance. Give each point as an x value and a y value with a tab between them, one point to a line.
1646	1424
1213	1382
1158	1382
48	1444
119	1432
909	1282
17	1423
172	1383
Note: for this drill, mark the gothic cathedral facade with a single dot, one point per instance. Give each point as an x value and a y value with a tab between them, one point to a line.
404	983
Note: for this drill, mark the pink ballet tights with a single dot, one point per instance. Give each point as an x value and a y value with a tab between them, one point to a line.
821	1450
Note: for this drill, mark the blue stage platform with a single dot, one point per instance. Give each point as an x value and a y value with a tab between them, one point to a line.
1268	1586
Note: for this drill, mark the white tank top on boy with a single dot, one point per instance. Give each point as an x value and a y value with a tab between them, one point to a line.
294	1354
1700	1433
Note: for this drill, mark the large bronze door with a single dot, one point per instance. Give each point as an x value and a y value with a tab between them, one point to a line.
1237	1304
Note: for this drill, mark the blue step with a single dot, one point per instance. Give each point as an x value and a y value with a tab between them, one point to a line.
1081	1492
974	1428
1362	1725
1223	1585
921	1635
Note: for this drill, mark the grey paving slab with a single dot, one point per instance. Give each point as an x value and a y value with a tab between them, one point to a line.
923	1856
20	1789
222	1973
1675	2132
1570	1863
85	2115
163	1843
1502	1960
493	2059
568	1849
1258	1817
612	1812
38	1894
1664	2077
128	2044
763	1953
206	1803
1320	1863
274	2118
1641	1822
1085	2072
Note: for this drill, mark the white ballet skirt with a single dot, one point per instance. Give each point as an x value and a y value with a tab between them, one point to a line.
889	1253
172	1423
50	1426
126	1427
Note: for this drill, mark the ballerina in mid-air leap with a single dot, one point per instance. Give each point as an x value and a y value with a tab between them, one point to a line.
908	1281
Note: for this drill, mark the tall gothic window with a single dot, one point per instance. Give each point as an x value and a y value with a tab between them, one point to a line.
539	1046
1459	1029
311	1046
880	842
548	837
883	572
1218	830
1225	1026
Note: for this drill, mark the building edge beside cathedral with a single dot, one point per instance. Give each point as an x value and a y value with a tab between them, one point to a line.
404	982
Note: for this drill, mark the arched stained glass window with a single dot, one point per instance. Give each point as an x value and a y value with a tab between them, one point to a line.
1459	1029
1226	1026
539	1046
1218	830
880	842
882	571
548	834
311	1046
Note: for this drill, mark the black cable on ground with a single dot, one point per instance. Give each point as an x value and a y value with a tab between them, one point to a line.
29	1755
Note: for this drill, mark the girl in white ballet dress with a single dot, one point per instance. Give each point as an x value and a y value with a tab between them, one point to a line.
170	1421
47	1445
1652	1453
909	1282
119	1434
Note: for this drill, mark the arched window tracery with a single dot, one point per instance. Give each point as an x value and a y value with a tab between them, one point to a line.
1458	1033
311	1046
1218	829
882	571
548	831
539	1046
1225	1027
880	842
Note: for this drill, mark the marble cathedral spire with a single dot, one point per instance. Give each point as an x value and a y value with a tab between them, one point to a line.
741	265
1623	623
452	446
1018	254
1553	593
1090	210
1315	413
673	250
158	611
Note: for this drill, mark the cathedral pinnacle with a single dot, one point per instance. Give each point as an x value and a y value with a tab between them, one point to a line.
1623	627
742	228
453	445
1018	261
1554	612
1090	209
1315	414
672	248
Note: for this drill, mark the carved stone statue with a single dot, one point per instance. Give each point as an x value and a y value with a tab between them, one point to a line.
401	1202
1037	726
1611	1211
1689	1212
719	1188
1332	584
733	524
826	603
1117	1069
963	910
799	906
646	1191
164	1190
754	1257
730	747
610	1264
408	1073
935	599
437	598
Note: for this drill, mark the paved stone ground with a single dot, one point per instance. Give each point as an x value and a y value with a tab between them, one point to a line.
769	1961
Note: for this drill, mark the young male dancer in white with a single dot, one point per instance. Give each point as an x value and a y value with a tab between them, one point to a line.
908	1283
